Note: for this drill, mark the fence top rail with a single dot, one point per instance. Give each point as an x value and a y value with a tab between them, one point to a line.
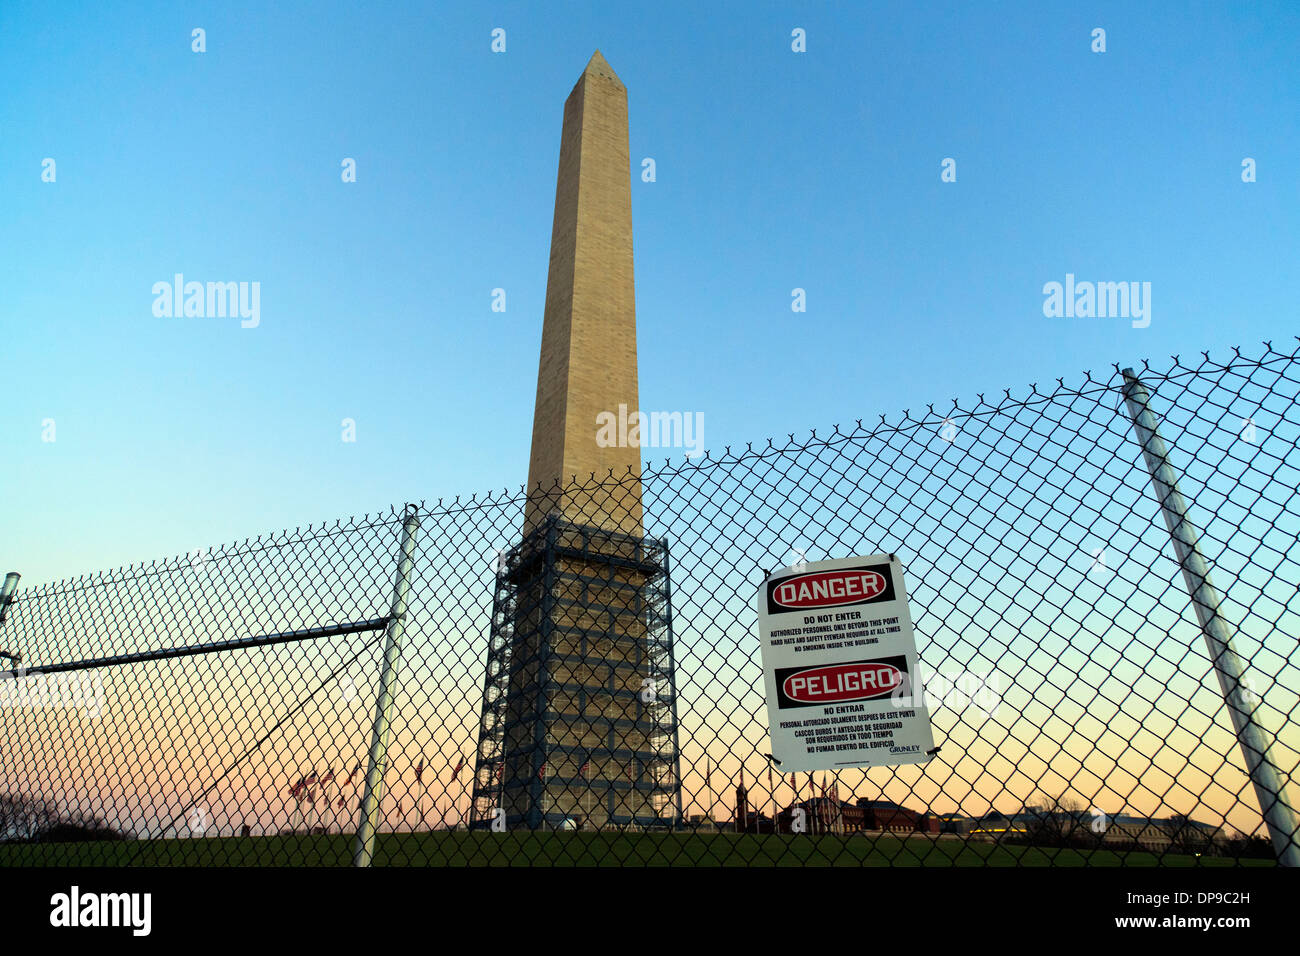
213	647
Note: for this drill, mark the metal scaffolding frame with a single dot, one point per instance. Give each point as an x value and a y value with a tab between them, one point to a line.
548	597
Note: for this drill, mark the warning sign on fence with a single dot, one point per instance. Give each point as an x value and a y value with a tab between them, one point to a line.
839	661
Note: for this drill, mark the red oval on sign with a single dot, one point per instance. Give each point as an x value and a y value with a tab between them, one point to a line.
840	682
829	588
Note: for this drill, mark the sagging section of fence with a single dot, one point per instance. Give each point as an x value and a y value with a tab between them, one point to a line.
1102	579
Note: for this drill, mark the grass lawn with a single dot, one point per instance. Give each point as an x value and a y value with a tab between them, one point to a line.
581	849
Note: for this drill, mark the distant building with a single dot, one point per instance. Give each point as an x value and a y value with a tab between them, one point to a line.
1176	834
954	823
828	814
820	816
1080	828
995	826
747	820
701	821
755	822
886	815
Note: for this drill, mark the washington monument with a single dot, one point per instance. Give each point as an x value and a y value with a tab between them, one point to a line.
578	726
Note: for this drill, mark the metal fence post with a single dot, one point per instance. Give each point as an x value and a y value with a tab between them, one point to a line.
6	597
7	592
1264	774
364	850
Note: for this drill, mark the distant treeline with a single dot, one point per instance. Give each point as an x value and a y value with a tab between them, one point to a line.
27	819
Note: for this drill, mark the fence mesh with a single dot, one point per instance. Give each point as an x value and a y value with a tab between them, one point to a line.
587	686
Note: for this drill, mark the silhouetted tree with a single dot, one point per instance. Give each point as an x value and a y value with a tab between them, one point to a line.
1186	837
1056	821
22	816
28	819
1245	846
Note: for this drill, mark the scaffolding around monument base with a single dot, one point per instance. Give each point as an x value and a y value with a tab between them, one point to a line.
579	714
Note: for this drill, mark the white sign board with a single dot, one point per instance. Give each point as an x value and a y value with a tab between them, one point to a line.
839	662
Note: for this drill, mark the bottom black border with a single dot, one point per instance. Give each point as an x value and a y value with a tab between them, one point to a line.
269	906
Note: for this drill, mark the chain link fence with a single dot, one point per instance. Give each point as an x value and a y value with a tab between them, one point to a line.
469	683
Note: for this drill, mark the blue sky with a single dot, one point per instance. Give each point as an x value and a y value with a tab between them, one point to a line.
775	170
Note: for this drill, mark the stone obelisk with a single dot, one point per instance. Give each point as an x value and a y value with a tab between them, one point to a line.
588	361
579	716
